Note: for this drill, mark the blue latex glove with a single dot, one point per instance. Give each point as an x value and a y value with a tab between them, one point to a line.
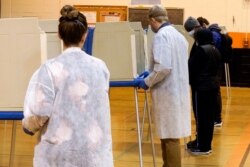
141	83
144	74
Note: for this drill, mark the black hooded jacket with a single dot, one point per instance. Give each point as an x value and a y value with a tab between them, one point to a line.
204	62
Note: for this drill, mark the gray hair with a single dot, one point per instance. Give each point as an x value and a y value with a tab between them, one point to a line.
159	13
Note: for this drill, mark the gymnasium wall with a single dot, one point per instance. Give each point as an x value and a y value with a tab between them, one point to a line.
234	14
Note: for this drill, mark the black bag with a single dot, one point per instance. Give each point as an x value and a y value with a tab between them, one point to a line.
226	49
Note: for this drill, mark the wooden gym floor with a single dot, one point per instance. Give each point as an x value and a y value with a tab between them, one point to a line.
231	142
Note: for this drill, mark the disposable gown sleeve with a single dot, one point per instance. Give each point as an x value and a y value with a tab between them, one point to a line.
160	62
38	101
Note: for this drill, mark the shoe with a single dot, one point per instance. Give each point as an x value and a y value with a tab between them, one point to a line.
218	124
197	151
192	144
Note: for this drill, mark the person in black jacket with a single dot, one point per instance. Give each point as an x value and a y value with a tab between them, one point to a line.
204	65
192	25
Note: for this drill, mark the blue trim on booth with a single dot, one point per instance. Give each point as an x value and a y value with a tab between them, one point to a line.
11	115
123	84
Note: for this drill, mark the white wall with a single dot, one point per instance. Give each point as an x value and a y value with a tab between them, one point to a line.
219	11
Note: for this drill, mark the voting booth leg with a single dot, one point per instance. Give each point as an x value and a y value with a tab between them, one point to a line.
5	136
228	84
143	119
150	127
13	142
138	126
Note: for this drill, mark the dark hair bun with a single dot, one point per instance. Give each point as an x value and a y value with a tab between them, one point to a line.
66	9
69	13
73	15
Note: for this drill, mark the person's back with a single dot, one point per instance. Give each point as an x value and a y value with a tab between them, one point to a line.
226	49
223	43
203	69
176	59
204	65
173	58
79	132
217	39
67	100
169	86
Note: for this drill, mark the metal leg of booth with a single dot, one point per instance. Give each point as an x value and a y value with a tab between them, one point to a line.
138	126
143	119
228	83
150	127
13	142
146	109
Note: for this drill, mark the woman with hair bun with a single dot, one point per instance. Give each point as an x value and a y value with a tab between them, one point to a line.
67	102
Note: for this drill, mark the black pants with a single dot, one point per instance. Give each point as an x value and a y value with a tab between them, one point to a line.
204	105
218	107
217	114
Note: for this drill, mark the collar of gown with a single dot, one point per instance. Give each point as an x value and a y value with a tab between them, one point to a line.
72	49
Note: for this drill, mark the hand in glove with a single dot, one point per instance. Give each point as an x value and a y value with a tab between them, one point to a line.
141	83
144	74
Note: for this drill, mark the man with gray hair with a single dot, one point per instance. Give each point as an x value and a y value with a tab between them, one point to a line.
169	84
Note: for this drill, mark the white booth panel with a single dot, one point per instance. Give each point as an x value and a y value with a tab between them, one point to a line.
114	43
49	26
54	46
148	45
20	56
139	43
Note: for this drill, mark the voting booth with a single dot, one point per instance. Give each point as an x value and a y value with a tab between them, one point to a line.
52	45
25	44
141	59
120	46
20	56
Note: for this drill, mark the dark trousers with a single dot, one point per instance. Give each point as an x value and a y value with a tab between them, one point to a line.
218	107
205	103
194	103
217	114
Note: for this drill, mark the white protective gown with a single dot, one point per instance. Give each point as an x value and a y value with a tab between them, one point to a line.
169	84
72	90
